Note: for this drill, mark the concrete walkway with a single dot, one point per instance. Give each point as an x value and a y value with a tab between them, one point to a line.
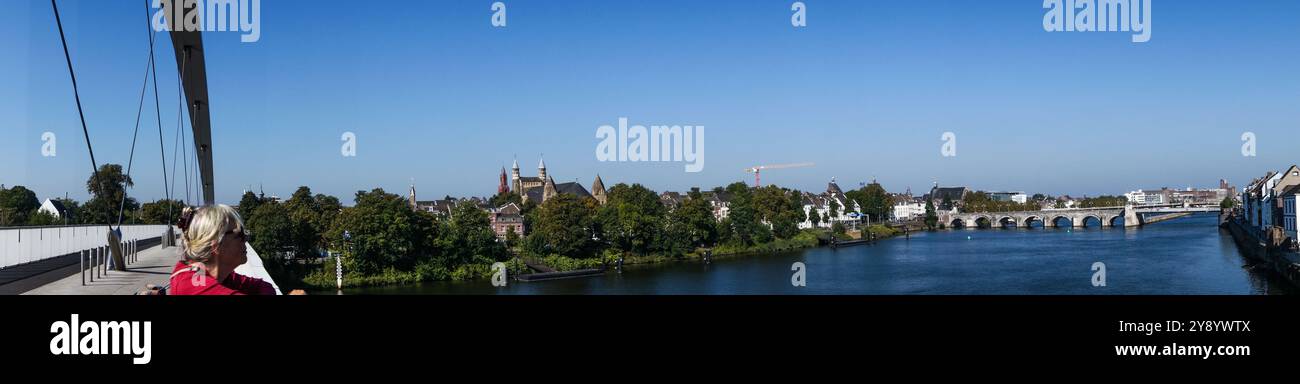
154	266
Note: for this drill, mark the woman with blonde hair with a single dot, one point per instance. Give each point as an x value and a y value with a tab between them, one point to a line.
214	245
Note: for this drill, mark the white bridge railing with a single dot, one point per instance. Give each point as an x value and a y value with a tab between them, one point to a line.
22	245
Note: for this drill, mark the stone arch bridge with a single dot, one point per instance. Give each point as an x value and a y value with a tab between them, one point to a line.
1078	217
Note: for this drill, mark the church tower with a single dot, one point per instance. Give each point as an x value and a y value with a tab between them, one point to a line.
502	187
598	190
548	190
412	197
514	178
541	170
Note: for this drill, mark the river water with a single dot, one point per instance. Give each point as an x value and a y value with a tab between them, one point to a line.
1182	256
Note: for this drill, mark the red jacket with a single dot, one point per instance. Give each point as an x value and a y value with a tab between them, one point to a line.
188	280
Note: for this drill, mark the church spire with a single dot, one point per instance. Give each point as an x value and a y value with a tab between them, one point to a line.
414	206
503	188
548	190
598	190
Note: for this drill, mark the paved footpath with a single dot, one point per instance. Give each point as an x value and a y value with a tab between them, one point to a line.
153	266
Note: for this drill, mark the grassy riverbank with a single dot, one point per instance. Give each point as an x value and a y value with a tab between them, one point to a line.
323	277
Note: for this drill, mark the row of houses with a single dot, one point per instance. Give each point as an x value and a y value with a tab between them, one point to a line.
1270	202
846	210
509	217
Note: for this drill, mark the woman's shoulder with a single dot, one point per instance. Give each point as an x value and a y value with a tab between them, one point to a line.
250	285
190	280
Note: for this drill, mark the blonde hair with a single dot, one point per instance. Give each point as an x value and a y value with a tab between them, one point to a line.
207	228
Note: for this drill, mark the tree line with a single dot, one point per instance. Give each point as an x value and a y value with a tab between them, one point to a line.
19	206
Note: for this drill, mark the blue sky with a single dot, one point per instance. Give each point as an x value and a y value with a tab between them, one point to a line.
435	93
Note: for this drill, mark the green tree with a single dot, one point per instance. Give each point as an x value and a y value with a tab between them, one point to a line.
697	216
162	211
43	218
931	216
512	237
271	231
815	218
565	226
248	204
108	188
470	239
632	218
1227	203
304	217
385	233
744	219
876	202
16	205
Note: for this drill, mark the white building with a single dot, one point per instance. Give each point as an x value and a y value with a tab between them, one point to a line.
907	209
1145	197
54	208
1017	197
1289	223
821	204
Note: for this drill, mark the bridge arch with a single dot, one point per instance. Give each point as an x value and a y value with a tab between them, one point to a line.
983	222
1057	221
1029	221
957	223
1006	221
1086	219
1115	221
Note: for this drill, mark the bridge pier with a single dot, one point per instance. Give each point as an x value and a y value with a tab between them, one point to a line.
1131	218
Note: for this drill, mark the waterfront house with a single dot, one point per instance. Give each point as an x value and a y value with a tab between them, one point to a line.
1285	180
906	208
821	204
1252	198
1289	223
508	218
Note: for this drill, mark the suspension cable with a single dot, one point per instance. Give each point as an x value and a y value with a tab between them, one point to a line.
180	125
94	166
162	149
130	162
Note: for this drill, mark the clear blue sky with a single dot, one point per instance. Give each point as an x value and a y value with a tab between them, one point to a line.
434	93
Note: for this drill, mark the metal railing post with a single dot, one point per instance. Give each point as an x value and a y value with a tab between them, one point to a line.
81	265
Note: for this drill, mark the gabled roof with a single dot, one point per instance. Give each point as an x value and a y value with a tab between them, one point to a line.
1292	190
508	209
573	188
58	205
953	194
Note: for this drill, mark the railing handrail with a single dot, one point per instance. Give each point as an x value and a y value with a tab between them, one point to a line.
4	228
